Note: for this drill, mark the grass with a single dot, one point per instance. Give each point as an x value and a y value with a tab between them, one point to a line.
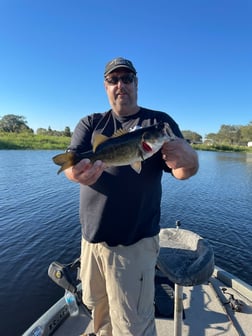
32	141
222	148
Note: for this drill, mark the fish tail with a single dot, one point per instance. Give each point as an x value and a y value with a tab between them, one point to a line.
65	160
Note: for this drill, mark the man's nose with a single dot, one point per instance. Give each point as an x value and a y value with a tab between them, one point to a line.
120	82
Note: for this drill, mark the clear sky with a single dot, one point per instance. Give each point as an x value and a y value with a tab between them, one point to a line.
193	58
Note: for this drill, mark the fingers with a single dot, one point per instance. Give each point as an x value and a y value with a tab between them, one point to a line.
170	150
177	153
87	173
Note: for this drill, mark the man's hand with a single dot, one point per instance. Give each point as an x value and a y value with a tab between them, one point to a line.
85	172
181	158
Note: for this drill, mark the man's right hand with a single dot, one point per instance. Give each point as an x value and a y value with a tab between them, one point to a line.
85	172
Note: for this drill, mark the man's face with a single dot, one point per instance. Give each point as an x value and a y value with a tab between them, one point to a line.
121	88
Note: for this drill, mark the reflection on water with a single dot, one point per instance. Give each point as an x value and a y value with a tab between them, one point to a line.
248	157
226	156
39	223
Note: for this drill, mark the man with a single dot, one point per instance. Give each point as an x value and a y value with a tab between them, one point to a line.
120	210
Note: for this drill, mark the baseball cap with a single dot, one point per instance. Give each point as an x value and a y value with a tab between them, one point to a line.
119	62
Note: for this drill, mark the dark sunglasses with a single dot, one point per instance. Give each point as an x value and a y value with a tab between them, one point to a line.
126	79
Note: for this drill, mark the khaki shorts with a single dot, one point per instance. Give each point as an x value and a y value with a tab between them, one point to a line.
118	285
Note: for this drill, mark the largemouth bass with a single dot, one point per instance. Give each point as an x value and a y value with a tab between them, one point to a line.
122	149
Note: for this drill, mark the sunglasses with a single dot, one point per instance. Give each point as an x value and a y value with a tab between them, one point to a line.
126	79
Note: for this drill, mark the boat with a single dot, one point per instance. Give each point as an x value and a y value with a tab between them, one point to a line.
194	297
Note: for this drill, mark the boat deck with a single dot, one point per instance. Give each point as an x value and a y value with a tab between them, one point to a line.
206	314
206	307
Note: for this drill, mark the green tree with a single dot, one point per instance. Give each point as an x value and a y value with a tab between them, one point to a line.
246	134
229	134
49	130
211	138
193	137
12	123
41	131
67	132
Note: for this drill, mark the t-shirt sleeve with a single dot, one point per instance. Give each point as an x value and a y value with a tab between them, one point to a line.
81	140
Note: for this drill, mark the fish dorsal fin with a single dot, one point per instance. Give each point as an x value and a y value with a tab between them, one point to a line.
99	139
119	132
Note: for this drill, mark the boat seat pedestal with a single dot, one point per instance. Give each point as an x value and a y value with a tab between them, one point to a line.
187	260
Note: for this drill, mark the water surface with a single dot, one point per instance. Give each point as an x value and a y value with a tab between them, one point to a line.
39	224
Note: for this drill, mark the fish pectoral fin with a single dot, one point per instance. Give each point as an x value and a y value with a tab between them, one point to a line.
137	166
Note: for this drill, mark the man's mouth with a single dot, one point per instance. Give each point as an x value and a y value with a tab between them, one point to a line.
121	93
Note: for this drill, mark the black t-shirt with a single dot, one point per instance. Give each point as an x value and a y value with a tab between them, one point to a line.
123	206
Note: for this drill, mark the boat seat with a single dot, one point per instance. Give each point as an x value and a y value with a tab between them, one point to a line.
185	258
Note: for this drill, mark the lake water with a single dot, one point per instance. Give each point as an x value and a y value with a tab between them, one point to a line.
39	224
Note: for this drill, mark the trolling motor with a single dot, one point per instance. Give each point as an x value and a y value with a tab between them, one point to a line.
65	275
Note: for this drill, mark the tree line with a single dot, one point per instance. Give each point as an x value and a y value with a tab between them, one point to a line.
12	123
228	134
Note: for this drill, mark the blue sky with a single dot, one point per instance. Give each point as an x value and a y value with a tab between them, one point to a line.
193	58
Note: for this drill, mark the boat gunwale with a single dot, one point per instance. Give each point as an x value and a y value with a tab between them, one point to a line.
233	282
